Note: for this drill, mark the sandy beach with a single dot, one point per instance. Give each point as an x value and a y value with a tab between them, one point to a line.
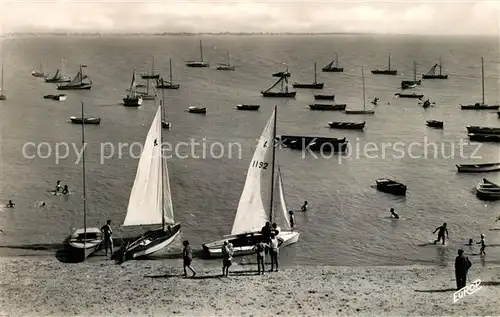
43	286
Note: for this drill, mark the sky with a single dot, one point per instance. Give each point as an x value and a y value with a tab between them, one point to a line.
383	17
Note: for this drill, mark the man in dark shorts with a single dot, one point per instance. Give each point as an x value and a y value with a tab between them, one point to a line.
187	255
260	248
227	253
108	240
266	231
462	265
442	231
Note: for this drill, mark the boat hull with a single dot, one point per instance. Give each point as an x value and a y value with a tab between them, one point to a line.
155	76
484	137
60	97
282	74
85	247
332	69
76	87
435	76
3	97
347	125
225	67
309	86
483	130
478	168
314	143
435	124
244	244
58	80
290	94
201	110
407	84
165	125
360	111
149	243
326	107
384	72
85	120
324	97
168	86
480	107
415	96
391	187
248	107
488	190
197	64
132	102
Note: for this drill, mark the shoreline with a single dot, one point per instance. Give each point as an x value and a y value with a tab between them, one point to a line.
35	286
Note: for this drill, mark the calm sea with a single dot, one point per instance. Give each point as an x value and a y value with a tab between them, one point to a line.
348	221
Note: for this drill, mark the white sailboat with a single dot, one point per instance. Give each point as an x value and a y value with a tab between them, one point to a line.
133	99
85	241
2	95
150	201
257	201
364	111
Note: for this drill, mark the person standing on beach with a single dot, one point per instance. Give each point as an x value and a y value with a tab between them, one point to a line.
304	207
483	246
10	204
187	255
274	251
292	218
462	265
266	231
442	231
276	230
227	256
108	240
260	248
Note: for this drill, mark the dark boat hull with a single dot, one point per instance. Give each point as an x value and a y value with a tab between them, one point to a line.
197	64
3	97
483	130
60	97
415	96
155	76
282	74
132	102
165	125
78	87
326	107
347	125
324	97
435	124
86	120
391	187
480	107
57	80
309	86
148	243
248	107
332	69
279	94
384	72
435	76
406	84
484	137
478	168
314	143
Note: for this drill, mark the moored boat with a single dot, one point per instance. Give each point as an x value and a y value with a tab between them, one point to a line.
484	137
197	109
387	71
152	74
162	84
227	65
86	120
482	130
324	97
412	95
283	93
364	110
391	187
314	143
347	125
133	99
478	168
248	107
431	74
39	73
487	190
200	63
314	85
257	201
435	123
331	68
59	97
80	82
482	105
59	76
407	84
328	107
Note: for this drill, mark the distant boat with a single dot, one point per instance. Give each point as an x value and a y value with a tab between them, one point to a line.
60	97
201	62
412	95
324	97
226	66
431	74
314	143
2	95
152	74
39	73
407	84
478	168
85	241
331	68
482	105
248	107
435	124
133	99
284	93
328	107
347	125
313	85
487	190
146	94
364	111
160	83
80	82
388	71
482	130
86	120
391	187
197	109
479	137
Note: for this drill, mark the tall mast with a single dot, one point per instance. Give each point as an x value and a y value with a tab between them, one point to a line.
201	51
147	86
363	76
170	71
414	72
336	59
162	179
228	62
84	185
389	61
315	79
1	86
271	201
482	77
153	66
440	65
162	102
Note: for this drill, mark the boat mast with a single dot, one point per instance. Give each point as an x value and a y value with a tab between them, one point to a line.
482	78
363	76
440	65
170	71
84	185
152	66
389	61
414	72
162	179
228	62
201	51
1	84
315	78
336	59
271	201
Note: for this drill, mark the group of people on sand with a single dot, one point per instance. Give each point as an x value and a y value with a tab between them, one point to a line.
61	189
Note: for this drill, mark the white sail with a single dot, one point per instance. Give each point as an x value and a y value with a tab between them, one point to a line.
251	214
285	222
145	203
168	208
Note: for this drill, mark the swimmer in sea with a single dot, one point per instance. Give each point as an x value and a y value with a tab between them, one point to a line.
10	204
393	213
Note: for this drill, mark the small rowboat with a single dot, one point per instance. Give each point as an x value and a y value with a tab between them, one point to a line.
391	187
478	168
78	120
197	109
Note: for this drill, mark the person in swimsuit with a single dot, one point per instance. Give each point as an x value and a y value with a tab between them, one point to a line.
10	204
187	255
65	190
227	257
442	231
292	218
108	240
394	214
483	246
259	249
58	187
304	207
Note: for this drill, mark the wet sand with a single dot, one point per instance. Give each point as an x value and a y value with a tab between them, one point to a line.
36	286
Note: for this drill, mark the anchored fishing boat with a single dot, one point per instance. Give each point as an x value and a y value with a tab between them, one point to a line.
431	74
480	137
391	187
313	85
478	168
59	97
364	111
226	66
407	84
59	76
482	105
256	205
201	62
152	74
167	84
150	202
333	68
84	241
80	82
284	93
133	99
387	71
347	125
487	190
328	107
248	107
435	124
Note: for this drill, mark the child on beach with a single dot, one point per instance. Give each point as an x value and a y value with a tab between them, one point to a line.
260	250
483	246
227	256
187	255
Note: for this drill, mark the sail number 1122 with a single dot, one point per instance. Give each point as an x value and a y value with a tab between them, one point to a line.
259	164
